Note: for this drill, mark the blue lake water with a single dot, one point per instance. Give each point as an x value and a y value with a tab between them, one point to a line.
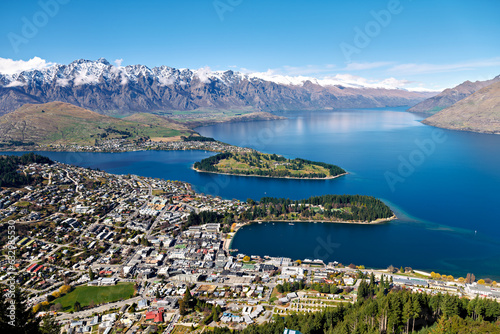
443	185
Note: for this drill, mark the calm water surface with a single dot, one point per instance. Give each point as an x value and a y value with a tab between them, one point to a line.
443	185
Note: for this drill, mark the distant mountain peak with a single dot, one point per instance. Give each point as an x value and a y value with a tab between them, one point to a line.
103	61
101	86
450	96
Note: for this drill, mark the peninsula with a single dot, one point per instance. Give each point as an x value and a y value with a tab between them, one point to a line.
267	165
354	209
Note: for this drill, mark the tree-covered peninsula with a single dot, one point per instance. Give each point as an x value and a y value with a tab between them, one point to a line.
335	208
270	165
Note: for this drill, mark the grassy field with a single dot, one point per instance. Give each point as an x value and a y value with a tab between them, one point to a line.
98	294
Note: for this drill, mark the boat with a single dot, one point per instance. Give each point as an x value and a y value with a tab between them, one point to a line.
291	224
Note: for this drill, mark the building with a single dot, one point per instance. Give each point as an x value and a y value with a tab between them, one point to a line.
155	316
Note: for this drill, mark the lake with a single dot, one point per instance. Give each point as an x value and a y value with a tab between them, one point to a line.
443	185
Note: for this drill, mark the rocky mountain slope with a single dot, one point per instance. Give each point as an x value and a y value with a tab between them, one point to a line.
104	88
63	123
480	112
451	96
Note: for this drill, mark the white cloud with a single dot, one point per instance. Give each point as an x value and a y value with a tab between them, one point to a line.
344	79
357	81
84	79
119	62
15	84
204	74
10	66
245	70
166	81
124	79
307	69
366	66
62	82
440	68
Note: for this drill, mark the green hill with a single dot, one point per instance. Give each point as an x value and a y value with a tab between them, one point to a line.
65	124
270	165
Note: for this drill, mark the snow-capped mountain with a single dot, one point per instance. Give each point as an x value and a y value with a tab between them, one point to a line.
102	87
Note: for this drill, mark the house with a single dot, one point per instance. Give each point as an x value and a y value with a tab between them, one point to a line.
284	300
410	282
142	304
76	323
109	317
108	281
293	271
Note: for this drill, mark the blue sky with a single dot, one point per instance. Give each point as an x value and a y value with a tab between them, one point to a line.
432	44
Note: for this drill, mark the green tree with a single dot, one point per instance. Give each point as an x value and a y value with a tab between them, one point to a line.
187	299
416	310
372	281
77	307
407	314
15	315
49	325
182	307
363	290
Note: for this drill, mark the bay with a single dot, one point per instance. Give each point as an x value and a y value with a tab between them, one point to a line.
443	185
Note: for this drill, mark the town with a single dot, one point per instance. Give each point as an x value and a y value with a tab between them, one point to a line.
108	253
127	145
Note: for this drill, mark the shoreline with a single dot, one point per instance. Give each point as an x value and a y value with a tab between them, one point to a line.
273	177
2	149
228	242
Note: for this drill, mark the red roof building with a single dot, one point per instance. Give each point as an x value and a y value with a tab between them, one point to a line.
156	316
30	268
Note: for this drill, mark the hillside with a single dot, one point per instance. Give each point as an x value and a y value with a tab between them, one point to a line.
479	112
450	96
107	89
66	124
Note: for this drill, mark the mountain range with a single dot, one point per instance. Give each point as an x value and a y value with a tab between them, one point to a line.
108	89
479	112
450	96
